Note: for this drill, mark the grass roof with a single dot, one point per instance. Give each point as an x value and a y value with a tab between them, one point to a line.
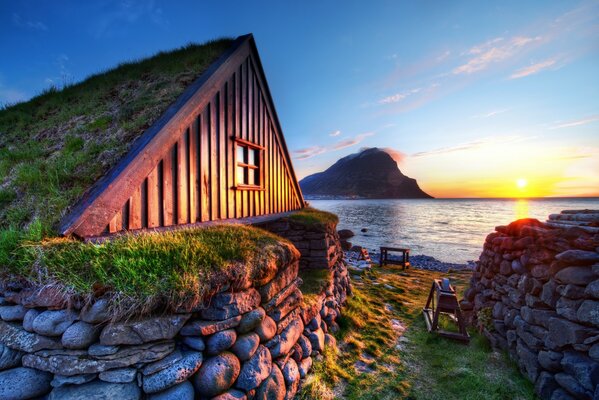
56	145
147	272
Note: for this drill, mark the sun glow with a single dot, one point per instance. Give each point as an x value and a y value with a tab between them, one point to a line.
521	183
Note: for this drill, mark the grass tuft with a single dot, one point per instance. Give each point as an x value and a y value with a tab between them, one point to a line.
311	216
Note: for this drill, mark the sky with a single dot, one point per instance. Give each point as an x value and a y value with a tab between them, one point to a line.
473	99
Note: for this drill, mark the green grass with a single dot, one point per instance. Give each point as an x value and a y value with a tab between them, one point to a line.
56	145
412	365
311	216
148	272
315	281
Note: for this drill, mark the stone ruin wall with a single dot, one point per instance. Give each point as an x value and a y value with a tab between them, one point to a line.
257	343
536	292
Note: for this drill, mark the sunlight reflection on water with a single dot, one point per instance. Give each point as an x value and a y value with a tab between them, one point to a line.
451	230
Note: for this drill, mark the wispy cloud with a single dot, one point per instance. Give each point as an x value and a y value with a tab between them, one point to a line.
128	12
23	23
335	133
475	144
533	69
397	97
577	122
309	152
489	114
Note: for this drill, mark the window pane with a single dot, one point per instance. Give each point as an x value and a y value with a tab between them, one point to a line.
240	155
252	158
250	180
241	176
257	177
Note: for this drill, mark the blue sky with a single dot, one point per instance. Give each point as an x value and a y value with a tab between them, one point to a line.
470	96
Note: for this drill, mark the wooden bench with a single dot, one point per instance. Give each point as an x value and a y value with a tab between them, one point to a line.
405	260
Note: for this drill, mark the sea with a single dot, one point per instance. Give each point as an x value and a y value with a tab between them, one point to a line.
450	230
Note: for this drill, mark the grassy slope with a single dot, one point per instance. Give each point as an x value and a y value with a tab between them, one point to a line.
53	147
149	271
417	366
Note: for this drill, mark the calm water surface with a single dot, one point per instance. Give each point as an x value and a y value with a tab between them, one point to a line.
451	230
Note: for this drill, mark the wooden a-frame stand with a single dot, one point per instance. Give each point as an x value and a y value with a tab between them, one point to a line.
442	299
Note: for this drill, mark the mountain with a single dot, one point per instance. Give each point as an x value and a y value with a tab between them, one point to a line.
371	173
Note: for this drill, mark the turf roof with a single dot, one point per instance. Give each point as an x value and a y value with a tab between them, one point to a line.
56	145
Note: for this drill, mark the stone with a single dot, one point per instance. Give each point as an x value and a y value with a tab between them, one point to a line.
97	390
231	394
12	313
216	375
549	293
315	322
60	380
330	341
174	374
251	320
77	362
571	291
97	349
121	375
181	391
527	360
566	308
273	387
267	329
571	385
563	332
290	303
144	331
196	343
317	340
345	233
589	312
28	319
163	363
518	268
97	313
550	360
19	339
575	275
592	289
291	375
220	342
594	352
281	345
585	370
24	383
304	367
505	268
255	370
580	257
280	297
9	358
80	335
305	345
282	280
245	346
561	394
54	323
545	385
231	304
205	328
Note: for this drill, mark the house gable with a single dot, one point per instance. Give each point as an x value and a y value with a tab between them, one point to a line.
188	167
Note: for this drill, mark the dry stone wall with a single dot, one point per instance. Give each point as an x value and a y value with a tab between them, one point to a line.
535	291
257	342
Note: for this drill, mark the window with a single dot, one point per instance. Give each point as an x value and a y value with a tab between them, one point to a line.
248	162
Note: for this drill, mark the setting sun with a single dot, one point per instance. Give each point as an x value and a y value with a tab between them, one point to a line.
521	183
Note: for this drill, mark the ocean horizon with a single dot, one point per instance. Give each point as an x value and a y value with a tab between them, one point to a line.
450	229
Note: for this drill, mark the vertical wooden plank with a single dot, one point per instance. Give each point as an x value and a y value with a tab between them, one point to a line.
271	170
222	153
135	209
230	148
205	164
154	201
116	224
262	142
238	118
214	207
168	188
182	180
193	172
243	100
250	100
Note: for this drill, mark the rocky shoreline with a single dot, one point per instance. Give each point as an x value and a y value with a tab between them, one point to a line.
419	261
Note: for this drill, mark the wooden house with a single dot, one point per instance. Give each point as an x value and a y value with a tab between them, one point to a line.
218	153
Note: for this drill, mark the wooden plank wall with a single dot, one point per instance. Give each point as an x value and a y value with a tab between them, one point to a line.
194	181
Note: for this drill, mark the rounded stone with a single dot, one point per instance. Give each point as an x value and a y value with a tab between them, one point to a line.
121	375
216	375
267	329
182	391
251	320
196	343
220	341
178	372
273	388
255	370
304	366
9	358
80	335
330	341
24	383
12	313
246	346
97	390
231	394
53	323
28	319
291	375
